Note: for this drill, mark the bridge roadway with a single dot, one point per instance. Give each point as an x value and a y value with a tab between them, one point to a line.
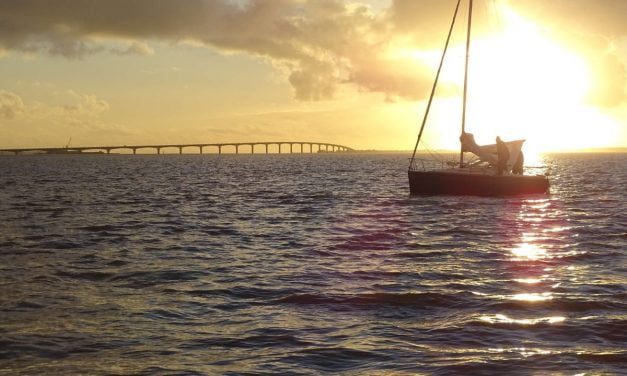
158	148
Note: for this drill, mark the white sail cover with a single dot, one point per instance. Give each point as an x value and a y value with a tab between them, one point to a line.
487	153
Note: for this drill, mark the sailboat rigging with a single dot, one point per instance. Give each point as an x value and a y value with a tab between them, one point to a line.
482	178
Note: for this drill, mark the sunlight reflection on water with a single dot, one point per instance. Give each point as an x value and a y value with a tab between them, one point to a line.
501	318
533	296
528	251
318	264
538	244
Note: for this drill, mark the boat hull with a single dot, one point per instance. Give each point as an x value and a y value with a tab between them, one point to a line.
449	182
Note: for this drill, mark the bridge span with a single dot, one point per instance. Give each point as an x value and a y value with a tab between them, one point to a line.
294	147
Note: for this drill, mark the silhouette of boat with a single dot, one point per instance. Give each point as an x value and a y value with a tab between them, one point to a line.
480	177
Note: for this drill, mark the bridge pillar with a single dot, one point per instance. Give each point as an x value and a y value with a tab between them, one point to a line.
134	151
158	150
310	148
200	147
301	148
279	145
326	147
16	152
108	151
291	151
180	150
219	149
266	148
252	148
236	149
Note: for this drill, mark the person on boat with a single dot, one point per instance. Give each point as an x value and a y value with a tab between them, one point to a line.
503	154
517	169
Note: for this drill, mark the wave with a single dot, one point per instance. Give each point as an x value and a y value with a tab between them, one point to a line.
410	300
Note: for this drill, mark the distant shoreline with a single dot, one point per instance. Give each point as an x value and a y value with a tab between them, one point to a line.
367	151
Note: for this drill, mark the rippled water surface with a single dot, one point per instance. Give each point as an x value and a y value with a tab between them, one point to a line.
306	264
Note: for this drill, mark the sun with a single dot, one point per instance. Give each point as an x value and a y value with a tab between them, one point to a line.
522	85
525	85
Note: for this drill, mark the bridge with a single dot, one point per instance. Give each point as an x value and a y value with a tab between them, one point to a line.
250	146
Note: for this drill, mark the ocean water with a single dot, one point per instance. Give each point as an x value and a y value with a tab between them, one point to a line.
304	265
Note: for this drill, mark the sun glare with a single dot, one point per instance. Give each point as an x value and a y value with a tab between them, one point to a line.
523	85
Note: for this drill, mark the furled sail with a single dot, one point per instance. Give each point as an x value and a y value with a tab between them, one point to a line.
487	153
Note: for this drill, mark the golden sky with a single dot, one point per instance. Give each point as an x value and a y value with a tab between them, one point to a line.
351	72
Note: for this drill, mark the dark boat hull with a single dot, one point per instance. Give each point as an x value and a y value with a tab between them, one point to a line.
475	184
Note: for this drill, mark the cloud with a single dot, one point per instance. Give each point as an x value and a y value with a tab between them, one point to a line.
610	77
11	105
590	28
320	44
72	109
135	48
64	114
603	17
84	105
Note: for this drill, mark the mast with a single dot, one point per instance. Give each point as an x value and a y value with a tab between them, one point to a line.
461	152
435	84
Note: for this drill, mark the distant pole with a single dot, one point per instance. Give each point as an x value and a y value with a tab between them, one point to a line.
461	151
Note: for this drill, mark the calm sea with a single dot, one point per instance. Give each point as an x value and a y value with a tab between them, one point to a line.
306	264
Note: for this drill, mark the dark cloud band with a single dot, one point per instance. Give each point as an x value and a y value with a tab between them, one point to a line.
322	43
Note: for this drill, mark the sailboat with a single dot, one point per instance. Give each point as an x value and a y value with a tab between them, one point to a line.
487	175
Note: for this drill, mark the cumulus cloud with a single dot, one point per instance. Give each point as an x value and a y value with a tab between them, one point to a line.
321	44
84	105
11	105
